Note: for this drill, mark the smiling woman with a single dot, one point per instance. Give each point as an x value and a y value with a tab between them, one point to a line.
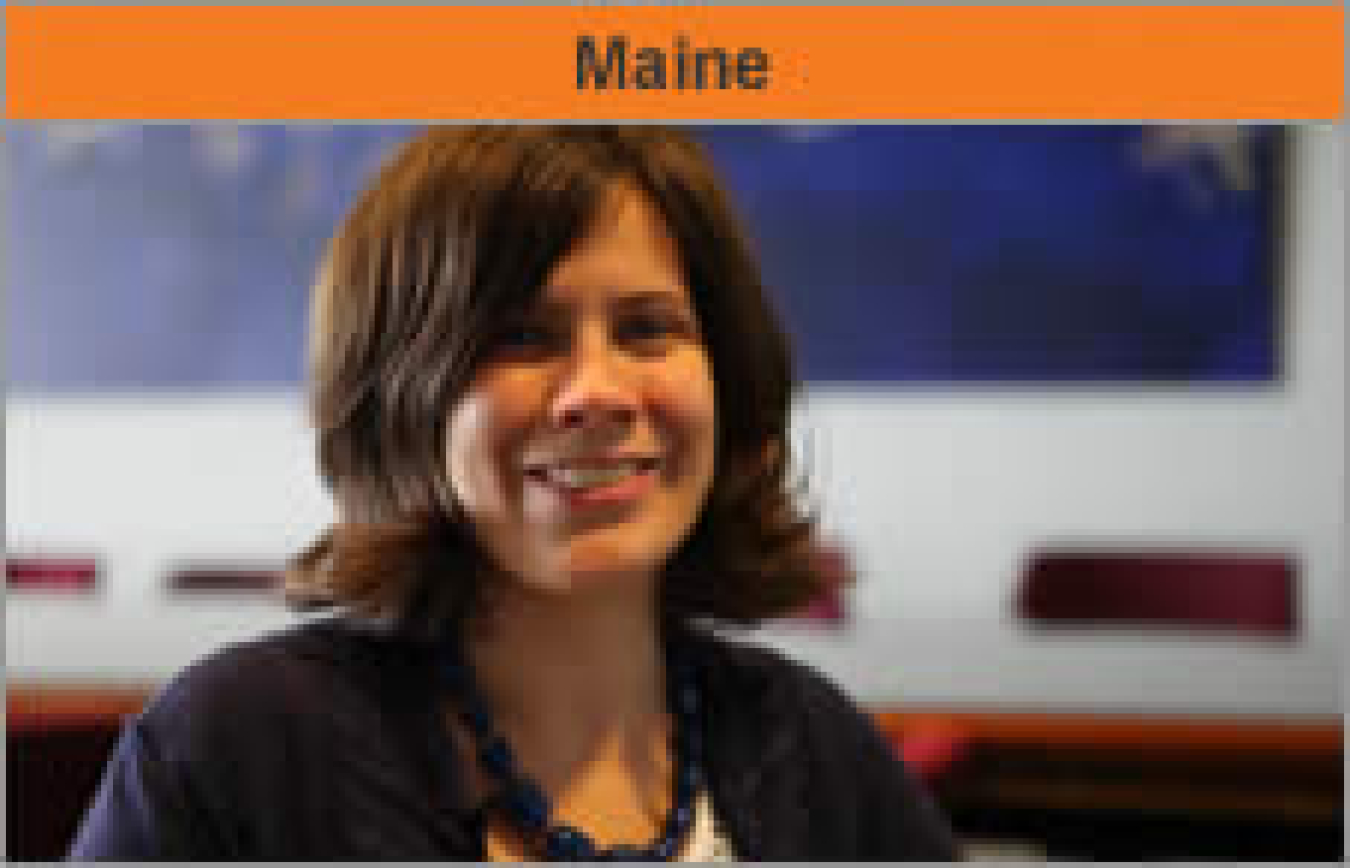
584	447
551	403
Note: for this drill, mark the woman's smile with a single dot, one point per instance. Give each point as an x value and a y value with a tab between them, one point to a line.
597	482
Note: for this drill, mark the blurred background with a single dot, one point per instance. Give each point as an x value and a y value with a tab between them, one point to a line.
1073	415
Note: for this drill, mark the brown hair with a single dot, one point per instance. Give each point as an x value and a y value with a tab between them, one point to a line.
458	231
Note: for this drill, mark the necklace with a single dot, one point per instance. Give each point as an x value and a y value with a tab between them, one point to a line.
528	807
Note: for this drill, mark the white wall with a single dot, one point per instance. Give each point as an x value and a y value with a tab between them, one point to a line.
940	493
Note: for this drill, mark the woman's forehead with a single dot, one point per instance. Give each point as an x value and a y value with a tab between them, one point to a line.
628	249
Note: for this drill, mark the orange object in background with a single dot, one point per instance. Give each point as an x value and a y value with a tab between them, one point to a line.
933	750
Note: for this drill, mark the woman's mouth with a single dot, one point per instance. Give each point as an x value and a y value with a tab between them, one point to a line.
588	483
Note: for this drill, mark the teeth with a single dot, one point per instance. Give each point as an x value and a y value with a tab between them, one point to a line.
592	477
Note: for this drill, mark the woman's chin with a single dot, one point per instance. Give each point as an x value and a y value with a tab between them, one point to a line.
596	567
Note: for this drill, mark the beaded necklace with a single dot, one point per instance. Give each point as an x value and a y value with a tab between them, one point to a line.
528	807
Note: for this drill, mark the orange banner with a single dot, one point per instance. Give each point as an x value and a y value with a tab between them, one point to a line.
676	62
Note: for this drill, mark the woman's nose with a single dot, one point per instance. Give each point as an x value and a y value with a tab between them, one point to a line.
598	388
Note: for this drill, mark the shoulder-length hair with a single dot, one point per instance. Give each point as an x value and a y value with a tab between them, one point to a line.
458	231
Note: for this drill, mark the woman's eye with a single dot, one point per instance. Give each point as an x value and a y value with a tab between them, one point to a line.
523	338
650	328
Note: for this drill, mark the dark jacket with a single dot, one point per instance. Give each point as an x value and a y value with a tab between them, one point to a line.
326	741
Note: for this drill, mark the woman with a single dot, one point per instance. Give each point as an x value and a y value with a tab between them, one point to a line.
552	406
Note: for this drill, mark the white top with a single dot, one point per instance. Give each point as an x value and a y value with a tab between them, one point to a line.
706	842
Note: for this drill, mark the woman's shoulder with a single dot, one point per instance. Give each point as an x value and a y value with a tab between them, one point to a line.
747	669
297	676
777	694
829	751
315	739
272	663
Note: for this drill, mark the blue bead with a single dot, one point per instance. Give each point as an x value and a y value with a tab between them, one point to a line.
665	851
497	758
566	844
477	719
687	783
528	804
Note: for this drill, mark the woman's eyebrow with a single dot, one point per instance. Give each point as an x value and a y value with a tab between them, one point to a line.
652	298
638	297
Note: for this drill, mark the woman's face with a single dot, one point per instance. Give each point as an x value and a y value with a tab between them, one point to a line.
584	448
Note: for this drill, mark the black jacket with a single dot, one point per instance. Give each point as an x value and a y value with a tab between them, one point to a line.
325	741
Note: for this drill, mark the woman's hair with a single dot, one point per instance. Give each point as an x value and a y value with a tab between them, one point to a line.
458	234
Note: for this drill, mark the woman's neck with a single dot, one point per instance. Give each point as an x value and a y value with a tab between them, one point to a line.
571	678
